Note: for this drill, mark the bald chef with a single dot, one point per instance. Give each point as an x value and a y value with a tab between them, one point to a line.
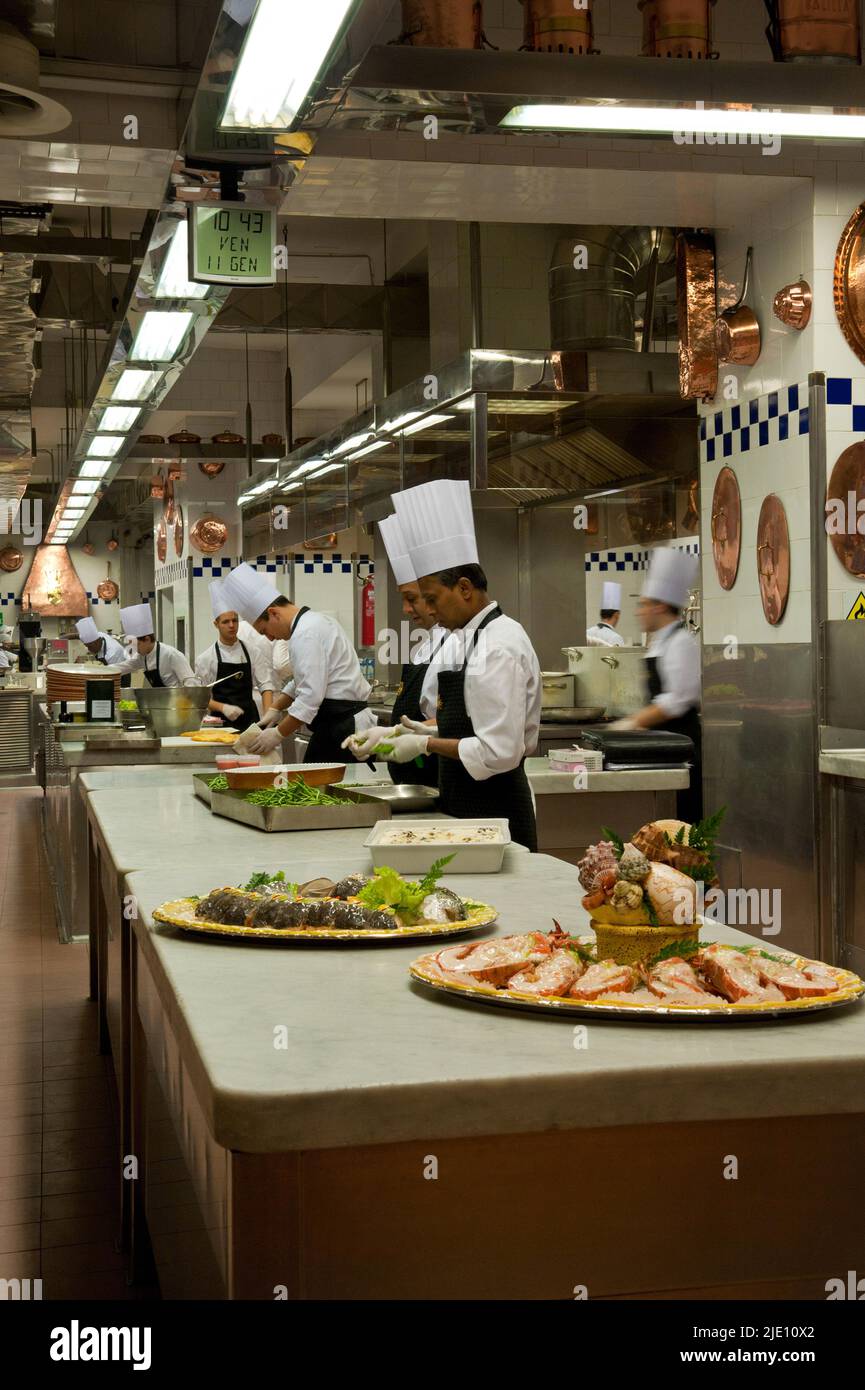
104	647
407	705
238	667
329	692
673	681
485	683
604	633
163	665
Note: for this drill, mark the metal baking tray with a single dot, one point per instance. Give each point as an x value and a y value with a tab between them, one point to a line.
364	810
201	785
403	797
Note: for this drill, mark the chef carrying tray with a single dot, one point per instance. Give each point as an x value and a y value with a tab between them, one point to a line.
630	750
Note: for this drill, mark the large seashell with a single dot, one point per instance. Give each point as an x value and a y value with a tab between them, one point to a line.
672	894
792	305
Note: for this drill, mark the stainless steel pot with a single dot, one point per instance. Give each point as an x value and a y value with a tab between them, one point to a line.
557	690
592	670
173	711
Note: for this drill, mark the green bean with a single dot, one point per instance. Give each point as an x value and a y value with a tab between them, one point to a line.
219	783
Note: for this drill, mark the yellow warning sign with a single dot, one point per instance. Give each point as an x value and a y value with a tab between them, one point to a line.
858	609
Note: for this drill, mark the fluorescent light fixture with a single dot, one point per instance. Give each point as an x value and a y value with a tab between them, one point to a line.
58	540
283	52
328	468
160	335
172	282
72	515
85	488
426	422
353	442
259	490
105	446
372	448
94	468
134	384
618	119
118	417
392	426
273	460
307	467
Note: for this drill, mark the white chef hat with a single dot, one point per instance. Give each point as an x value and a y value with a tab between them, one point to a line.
612	596
438	526
249	593
87	630
397	550
137	621
671	576
220	600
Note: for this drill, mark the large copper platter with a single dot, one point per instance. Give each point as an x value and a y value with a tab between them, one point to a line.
181	913
847	486
161	541
169	506
696	295
11	559
726	527
178	532
208	535
849	285
773	558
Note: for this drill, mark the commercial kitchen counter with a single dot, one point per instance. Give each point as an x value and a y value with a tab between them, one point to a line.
308	1123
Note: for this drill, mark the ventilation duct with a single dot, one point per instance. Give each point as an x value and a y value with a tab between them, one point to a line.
24	111
17	338
596	277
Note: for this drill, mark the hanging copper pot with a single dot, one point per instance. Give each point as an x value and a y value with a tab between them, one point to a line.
11	559
792	305
88	547
150	439
184	437
157	487
557	26
442	23
161	541
677	28
178	532
737	331
691	519
108	591
273	441
726	527
810	31
845	498
697	309
849	285
773	558
227	437
169	506
211	468
112	544
208	535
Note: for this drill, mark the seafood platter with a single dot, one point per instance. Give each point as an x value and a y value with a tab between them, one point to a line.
383	907
646	959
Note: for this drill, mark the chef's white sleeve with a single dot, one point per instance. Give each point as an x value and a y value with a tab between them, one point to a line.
310	674
262	669
496	700
183	671
679	667
205	667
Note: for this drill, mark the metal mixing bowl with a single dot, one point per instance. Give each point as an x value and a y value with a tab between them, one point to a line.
173	711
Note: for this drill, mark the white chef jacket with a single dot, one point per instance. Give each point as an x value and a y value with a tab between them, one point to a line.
678	653
434	638
173	667
113	651
205	664
325	667
502	693
4	660
602	635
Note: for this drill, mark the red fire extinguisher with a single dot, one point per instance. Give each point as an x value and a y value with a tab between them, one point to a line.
367	614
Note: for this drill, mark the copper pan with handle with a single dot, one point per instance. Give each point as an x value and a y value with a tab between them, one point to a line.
737	330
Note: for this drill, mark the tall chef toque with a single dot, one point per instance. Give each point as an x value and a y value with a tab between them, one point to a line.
438	526
248	593
397	550
87	630
612	597
671	577
137	621
220	601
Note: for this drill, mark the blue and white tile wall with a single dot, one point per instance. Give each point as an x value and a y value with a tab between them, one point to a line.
625	565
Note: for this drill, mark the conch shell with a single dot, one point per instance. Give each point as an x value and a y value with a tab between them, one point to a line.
672	894
792	305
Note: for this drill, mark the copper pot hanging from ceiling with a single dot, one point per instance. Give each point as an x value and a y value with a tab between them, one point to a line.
557	26
802	31
211	468
442	23
677	28
227	437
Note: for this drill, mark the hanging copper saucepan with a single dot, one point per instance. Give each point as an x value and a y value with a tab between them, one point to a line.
113	544
157	486
773	558
161	541
108	591
737	331
845	496
88	547
211	468
178	532
726	527
272	441
169	506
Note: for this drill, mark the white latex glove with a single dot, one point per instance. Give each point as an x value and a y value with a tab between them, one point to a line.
364	744
621	725
417	726
267	741
407	748
231	712
273	716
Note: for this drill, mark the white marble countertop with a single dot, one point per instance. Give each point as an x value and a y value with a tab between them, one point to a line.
176	751
844	762
111	778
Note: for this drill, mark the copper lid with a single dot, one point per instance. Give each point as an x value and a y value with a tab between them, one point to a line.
849	285
726	527
184	437
845	509
773	558
227	437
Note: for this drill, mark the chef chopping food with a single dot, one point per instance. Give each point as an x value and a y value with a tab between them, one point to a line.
163	665
423	770
235	668
673	681
106	649
328	693
481	695
604	633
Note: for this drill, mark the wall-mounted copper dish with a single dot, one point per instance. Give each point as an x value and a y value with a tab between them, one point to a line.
773	558
108	591
696	297
227	437
726	527
211	468
178	532
161	541
11	559
169	506
792	305
849	284
184	437
208	535
847	490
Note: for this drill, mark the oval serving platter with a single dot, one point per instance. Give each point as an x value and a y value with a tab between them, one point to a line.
181	913
850	988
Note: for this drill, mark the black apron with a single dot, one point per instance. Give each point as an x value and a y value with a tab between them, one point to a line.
125	681
153	677
237	688
408	702
504	794
689	802
333	723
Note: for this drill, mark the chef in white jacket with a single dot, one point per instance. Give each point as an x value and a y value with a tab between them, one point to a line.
104	647
604	633
163	665
483	688
241	669
329	692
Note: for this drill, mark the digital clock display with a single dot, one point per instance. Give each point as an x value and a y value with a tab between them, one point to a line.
232	244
